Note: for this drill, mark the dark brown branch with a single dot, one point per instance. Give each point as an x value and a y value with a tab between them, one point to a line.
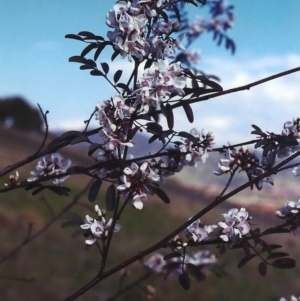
233	90
163	242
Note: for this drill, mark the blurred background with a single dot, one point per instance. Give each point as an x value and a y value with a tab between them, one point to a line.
35	69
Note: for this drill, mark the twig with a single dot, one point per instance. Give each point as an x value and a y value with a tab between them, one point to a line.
245	87
46	130
164	241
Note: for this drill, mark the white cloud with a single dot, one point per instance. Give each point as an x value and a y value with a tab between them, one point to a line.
268	105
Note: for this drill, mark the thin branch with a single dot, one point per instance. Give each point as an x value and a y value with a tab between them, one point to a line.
29	159
241	88
44	115
164	241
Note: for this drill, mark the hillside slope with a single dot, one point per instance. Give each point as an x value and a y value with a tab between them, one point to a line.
55	265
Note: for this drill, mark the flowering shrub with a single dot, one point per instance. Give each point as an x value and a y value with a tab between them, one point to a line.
149	34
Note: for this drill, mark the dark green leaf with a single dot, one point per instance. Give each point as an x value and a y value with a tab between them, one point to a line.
170	116
172	255
60	190
188	72
70	135
184	281
247	250
86	34
98	51
162	195
117	76
277	255
153	138
74	37
97	72
154	128
87	49
177	13
148	64
77	170
124	87
272	247
105	67
256	128
72	215
164	110
192	2
275	230
38	190
260	142
165	16
70	223
93	147
79	139
91	63
245	260
284	263
195	83
209	83
133	132
265	246
115	54
272	156
189	112
196	271
77	59
86	67
111	197
79	232
188	136
262	268
94	190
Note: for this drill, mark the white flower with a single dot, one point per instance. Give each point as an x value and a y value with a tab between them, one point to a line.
135	183
98	227
51	166
235	224
199	233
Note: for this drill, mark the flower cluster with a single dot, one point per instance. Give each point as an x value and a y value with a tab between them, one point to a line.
156	263
291	213
113	117
158	83
198	232
98	228
137	183
195	152
232	228
290	129
235	224
246	161
221	20
132	36
51	165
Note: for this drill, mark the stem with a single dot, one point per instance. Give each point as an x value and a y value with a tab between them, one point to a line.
162	243
241	88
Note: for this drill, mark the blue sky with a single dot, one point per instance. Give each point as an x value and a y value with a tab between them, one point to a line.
34	63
